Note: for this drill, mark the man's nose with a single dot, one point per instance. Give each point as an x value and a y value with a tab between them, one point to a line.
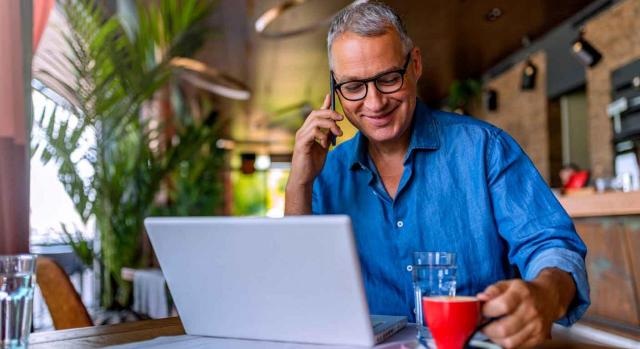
374	100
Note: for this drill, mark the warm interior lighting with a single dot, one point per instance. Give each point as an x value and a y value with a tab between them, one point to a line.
494	14
269	16
210	79
585	52
263	162
529	74
577	46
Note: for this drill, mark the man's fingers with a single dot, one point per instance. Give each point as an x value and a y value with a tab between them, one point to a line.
507	325
321	137
327	125
505	303
493	291
318	122
518	338
324	114
327	102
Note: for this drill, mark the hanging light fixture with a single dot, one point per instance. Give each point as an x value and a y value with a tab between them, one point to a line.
207	78
269	16
585	52
529	74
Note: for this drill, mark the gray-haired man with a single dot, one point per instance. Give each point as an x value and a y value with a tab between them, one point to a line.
415	179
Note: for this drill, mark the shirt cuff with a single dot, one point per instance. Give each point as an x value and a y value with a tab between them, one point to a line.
572	263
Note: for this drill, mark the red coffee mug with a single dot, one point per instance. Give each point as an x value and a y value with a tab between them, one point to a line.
451	320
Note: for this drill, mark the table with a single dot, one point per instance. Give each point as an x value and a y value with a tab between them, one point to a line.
100	336
609	224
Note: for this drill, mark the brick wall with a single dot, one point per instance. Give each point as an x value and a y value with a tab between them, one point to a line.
523	114
616	34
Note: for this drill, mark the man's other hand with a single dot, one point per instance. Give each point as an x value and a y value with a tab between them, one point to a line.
527	310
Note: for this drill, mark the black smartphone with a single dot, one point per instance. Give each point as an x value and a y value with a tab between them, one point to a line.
332	99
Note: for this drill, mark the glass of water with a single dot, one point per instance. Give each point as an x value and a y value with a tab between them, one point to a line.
17	280
434	274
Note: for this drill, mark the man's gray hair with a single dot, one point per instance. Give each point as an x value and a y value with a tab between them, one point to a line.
367	18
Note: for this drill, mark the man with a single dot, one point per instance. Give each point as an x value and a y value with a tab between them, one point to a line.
415	179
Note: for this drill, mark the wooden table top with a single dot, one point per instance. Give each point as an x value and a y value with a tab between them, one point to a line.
605	204
101	336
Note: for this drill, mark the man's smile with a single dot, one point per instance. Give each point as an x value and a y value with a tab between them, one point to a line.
380	119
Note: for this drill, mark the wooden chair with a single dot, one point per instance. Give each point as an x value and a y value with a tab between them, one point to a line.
64	303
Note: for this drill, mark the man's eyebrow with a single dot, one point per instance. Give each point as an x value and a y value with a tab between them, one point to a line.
349	78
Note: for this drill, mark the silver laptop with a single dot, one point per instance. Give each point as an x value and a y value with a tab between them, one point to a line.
293	279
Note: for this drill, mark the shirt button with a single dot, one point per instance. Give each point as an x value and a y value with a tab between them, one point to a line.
400	224
409	267
414	311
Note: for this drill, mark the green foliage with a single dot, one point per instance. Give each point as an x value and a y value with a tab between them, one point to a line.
80	246
119	64
249	193
462	93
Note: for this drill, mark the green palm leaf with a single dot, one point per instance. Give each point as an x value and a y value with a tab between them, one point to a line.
118	63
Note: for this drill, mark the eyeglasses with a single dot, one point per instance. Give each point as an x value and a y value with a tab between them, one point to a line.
388	82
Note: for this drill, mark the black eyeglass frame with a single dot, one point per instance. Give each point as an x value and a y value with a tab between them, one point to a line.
365	82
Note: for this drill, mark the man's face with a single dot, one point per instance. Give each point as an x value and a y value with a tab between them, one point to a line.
382	118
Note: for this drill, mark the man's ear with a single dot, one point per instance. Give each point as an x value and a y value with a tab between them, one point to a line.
416	57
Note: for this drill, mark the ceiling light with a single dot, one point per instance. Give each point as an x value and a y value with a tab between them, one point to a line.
263	162
493	14
269	16
585	53
210	79
529	74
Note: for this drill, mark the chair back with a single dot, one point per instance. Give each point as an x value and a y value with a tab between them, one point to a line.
64	303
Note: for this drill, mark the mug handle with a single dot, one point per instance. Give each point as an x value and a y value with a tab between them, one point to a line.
478	329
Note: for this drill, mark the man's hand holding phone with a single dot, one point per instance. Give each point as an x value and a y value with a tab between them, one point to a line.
312	142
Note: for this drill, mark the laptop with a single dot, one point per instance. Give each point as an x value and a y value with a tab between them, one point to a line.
292	279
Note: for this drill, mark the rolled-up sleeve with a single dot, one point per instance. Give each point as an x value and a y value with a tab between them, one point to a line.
538	231
572	263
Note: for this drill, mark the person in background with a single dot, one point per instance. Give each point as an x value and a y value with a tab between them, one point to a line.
417	179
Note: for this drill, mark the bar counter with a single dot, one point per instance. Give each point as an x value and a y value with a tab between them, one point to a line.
601	205
609	224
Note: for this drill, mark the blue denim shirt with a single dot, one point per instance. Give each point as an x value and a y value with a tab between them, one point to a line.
467	187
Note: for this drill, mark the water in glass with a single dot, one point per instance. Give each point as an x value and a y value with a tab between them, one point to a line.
434	274
16	301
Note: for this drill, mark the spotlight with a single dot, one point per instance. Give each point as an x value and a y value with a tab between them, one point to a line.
491	100
529	74
493	15
585	53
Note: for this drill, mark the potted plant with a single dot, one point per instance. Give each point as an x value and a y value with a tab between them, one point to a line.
122	67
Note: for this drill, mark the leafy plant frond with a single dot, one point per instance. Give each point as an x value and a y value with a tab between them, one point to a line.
118	64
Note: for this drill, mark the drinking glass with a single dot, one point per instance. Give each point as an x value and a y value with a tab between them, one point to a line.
17	280
434	274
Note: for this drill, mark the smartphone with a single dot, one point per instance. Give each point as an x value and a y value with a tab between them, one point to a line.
332	98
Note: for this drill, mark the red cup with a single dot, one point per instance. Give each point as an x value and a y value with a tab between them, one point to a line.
451	320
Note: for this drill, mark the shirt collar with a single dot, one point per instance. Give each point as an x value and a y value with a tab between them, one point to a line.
424	135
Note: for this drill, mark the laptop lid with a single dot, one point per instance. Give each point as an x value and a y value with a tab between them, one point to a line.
294	279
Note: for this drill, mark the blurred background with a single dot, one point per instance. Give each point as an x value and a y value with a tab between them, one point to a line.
114	110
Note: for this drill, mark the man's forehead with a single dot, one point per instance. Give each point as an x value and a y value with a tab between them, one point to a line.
354	56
